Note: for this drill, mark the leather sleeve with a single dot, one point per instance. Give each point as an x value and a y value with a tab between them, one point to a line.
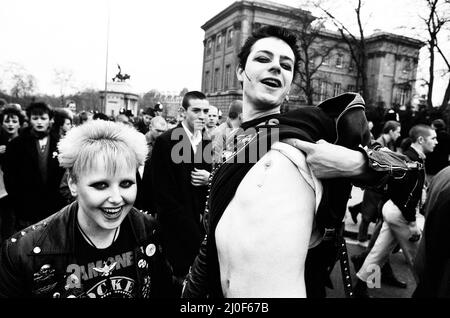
382	166
196	284
12	281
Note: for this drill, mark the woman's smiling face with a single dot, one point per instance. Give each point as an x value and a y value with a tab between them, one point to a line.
104	200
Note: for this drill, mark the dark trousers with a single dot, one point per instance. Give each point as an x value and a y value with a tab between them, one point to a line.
319	263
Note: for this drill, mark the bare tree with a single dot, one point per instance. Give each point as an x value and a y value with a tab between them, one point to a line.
184	91
88	99
312	55
355	43
24	85
150	98
313	50
20	82
436	20
446	98
63	78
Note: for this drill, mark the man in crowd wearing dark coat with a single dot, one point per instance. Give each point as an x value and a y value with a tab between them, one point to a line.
433	258
179	176
438	159
31	169
399	213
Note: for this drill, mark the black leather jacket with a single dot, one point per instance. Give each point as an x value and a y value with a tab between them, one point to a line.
407	193
33	262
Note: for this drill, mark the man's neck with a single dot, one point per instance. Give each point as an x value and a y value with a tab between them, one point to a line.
386	138
185	124
418	148
234	123
12	136
39	134
254	114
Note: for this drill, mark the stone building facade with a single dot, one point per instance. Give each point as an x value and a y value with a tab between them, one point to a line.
118	95
391	68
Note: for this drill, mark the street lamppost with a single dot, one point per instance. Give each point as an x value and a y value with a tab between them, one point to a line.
106	67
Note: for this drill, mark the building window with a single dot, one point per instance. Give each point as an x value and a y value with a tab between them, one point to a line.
326	60
218	41
337	89
230	37
403	96
208	47
351	88
339	61
323	91
207	81
407	66
227	81
351	65
216	79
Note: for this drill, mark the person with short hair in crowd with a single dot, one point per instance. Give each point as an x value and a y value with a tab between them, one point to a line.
99	246
439	158
124	119
11	120
31	169
399	212
101	116
84	116
157	127
371	199
221	147
179	175
158	109
145	199
211	122
143	122
62	122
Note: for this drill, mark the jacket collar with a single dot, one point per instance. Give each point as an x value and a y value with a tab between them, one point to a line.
53	241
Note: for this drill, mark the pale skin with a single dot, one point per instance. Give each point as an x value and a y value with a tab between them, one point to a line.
424	144
195	120
263	235
270	221
104	201
11	125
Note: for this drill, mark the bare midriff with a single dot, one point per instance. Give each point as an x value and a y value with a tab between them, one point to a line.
263	235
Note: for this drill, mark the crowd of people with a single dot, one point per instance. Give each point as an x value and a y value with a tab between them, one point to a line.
252	206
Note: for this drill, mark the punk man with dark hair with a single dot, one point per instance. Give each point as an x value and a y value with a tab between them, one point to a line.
272	224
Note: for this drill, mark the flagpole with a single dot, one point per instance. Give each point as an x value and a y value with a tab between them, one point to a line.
106	67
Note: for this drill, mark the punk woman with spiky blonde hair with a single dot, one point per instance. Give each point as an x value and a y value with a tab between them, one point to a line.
99	246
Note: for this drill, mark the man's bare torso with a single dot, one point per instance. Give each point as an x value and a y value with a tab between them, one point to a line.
263	235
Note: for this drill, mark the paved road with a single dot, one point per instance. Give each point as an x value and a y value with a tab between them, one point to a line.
399	265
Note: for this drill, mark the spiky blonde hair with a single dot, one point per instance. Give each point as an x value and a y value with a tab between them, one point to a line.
114	145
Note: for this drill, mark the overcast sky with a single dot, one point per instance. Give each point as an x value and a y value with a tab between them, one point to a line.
159	43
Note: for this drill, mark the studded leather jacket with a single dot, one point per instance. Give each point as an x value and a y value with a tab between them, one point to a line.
33	262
